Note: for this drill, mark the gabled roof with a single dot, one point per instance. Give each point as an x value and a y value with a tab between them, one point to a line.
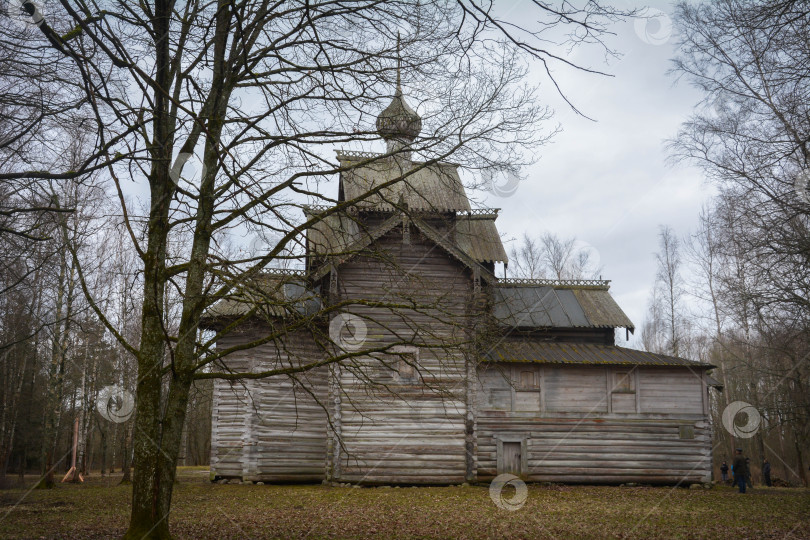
476	236
444	241
549	304
436	187
353	240
350	245
544	352
333	234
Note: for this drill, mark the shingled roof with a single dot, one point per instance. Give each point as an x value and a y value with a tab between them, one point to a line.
478	237
275	293
435	187
557	304
333	234
544	352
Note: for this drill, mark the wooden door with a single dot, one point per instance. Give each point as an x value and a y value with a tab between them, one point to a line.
511	458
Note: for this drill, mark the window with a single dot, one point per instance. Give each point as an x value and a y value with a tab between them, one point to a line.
623	392
624	382
686	432
527	389
407	363
406	368
527	380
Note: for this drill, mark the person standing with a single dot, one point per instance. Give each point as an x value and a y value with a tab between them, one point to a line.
766	472
724	471
748	473
740	470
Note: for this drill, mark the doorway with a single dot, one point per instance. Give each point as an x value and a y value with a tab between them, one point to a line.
511	458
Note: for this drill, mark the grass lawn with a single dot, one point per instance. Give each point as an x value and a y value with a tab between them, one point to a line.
99	509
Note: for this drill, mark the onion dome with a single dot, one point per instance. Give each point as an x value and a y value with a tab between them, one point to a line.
398	122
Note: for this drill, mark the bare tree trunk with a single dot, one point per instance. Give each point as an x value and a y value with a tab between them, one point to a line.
125	453
82	442
21	471
55	371
800	461
8	426
103	436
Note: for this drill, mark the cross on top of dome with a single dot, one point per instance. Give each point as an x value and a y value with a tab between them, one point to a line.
398	123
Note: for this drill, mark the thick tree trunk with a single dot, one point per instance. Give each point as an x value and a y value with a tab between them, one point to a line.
157	439
149	517
154	462
145	520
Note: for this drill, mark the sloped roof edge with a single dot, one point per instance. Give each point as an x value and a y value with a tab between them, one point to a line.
388	225
544	352
364	241
550	306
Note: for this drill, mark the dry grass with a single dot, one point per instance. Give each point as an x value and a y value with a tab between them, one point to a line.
99	509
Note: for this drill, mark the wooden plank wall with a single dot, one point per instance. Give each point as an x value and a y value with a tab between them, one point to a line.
443	424
229	414
271	429
395	429
582	439
668	391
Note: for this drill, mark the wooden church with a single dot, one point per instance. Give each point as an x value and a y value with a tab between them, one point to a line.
426	368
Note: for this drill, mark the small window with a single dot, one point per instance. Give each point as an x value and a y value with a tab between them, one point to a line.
407	362
406	369
528	380
624	382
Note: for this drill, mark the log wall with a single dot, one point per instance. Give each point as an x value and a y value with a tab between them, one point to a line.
422	412
270	429
575	432
400	426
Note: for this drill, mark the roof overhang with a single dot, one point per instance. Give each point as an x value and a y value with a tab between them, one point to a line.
583	354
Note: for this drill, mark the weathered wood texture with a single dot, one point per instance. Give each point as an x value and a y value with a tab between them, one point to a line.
399	427
419	409
228	418
573	429
272	429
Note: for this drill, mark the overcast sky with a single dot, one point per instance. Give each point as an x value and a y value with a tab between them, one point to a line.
608	182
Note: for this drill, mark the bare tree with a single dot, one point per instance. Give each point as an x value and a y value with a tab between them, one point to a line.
258	93
553	257
670	283
653	331
527	259
664	328
750	60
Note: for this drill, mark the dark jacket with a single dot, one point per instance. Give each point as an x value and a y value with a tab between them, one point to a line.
740	466
766	468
